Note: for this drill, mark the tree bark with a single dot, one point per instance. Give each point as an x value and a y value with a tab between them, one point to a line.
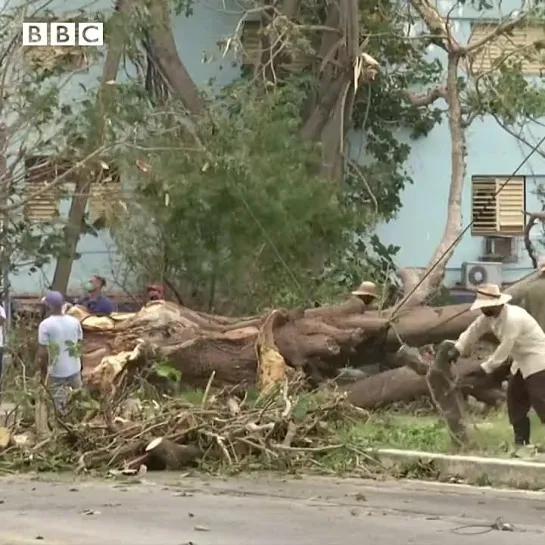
316	342
407	385
418	287
83	183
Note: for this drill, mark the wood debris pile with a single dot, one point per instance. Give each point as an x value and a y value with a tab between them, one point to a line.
280	429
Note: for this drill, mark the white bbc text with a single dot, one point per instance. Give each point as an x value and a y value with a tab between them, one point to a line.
63	34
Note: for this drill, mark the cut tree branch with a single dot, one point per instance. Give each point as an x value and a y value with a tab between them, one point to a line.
428	97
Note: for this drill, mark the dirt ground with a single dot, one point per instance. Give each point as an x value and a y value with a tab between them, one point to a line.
265	510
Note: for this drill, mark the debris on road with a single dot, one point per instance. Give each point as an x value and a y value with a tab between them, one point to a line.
280	428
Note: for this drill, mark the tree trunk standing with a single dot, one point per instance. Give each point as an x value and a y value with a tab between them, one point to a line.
83	183
419	285
172	68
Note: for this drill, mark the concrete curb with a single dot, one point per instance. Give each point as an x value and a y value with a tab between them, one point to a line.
513	473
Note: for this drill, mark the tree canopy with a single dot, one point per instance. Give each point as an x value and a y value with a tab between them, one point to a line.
258	194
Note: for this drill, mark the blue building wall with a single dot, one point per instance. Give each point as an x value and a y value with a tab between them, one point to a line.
418	227
195	36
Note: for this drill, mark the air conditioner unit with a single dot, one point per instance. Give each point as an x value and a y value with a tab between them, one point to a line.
475	273
500	249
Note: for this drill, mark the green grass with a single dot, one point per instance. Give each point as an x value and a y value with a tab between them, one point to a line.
488	436
491	435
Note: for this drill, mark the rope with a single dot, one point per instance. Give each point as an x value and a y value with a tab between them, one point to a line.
465	230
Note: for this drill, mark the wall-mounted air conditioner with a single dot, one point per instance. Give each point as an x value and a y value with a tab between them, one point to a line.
475	273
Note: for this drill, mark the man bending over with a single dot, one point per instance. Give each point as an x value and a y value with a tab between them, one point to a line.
522	339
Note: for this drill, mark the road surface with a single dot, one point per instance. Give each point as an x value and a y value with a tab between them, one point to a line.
169	509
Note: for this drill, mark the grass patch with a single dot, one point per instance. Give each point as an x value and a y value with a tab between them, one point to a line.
488	436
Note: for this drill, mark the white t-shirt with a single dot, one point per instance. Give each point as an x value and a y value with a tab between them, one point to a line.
61	334
2	315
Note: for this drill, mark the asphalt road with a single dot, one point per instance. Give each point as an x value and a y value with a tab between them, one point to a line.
168	509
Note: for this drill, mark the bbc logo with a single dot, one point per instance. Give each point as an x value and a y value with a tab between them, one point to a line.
63	34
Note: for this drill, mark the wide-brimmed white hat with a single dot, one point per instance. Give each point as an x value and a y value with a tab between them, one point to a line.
489	295
366	288
541	263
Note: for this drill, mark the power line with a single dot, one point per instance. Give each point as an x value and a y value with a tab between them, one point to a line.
466	229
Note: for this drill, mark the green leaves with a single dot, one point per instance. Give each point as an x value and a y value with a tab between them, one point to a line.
247	214
166	371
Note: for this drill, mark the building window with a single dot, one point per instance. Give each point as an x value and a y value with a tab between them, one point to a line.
516	46
105	194
41	193
498	209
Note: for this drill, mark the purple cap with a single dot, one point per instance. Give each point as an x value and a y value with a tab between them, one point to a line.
54	298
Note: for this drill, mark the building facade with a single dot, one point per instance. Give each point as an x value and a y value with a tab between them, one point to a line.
493	155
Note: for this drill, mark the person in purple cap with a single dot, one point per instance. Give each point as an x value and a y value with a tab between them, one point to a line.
58	357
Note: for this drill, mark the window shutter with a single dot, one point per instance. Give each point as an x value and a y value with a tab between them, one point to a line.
485	59
483	206
251	43
510	206
40	173
105	196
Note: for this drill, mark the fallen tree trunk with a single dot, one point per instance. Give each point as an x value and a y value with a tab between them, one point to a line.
198	344
317	342
409	383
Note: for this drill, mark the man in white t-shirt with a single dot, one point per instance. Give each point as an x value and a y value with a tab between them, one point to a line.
2	322
58	357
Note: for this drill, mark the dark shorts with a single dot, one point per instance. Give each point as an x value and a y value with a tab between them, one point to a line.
524	394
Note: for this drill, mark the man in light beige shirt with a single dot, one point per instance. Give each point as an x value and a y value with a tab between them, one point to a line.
522	339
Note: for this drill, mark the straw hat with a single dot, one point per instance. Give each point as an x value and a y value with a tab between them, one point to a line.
541	263
489	295
366	288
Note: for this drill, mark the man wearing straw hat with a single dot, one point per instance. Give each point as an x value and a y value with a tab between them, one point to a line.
522	339
366	292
